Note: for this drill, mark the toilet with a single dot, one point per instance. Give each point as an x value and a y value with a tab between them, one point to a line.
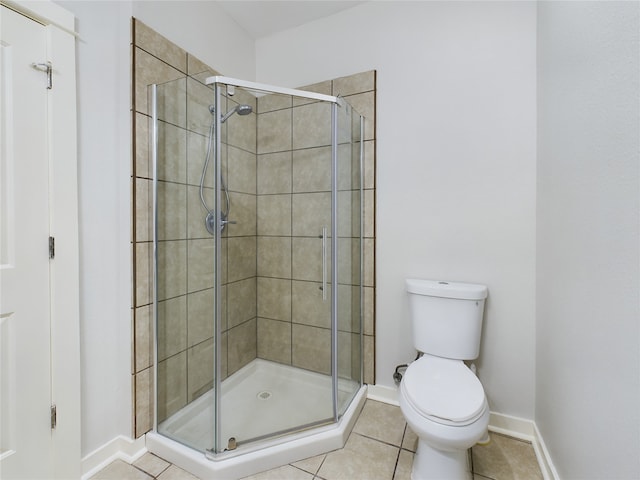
441	398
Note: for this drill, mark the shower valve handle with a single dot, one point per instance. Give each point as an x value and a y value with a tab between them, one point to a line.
224	222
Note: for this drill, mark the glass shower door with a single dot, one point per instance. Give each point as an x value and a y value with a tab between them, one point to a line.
348	199
184	293
275	259
256	195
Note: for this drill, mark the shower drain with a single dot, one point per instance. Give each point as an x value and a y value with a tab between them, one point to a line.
264	395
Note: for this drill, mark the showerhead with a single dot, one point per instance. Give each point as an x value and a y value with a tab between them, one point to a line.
239	109
244	109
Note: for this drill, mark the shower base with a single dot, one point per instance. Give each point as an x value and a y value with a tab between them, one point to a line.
260	399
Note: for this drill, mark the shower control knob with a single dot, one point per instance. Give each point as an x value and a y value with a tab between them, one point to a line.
210	222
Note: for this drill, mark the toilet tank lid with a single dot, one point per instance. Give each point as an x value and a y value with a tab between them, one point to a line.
436	288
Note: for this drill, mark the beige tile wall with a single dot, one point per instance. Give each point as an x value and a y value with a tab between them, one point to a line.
240	257
271	303
185	250
294	202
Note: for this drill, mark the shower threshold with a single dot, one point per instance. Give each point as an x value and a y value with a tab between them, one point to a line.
260	399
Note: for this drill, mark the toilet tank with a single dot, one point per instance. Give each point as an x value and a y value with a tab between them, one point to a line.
446	317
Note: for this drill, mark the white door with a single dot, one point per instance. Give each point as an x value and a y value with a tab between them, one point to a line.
25	328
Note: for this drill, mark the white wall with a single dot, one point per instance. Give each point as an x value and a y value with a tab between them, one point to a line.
456	193
456	159
203	29
104	152
104	137
588	329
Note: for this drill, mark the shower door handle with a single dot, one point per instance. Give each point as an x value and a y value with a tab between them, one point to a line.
324	263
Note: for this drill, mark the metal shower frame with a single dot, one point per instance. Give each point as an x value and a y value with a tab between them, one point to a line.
336	102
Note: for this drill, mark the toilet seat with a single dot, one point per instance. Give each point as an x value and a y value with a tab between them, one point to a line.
444	391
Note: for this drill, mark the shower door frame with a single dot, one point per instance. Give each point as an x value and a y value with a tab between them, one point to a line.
216	453
216	82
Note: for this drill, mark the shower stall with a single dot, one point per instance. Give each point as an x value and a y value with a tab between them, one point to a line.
257	194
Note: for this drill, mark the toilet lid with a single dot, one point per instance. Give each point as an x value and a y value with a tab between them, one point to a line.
444	389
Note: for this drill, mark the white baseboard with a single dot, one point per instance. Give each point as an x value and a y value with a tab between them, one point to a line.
124	448
120	448
515	427
525	430
544	459
383	394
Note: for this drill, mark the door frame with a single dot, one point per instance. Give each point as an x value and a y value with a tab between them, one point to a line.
63	226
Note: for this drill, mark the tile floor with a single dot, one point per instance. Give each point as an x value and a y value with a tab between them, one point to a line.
381	447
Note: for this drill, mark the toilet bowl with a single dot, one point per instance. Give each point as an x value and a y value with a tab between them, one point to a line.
444	404
441	399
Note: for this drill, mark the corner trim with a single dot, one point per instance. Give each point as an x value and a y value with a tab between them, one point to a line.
544	459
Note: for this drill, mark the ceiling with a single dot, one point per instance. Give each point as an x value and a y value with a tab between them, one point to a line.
263	18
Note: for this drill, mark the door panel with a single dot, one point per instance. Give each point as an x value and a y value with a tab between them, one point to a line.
275	325
25	330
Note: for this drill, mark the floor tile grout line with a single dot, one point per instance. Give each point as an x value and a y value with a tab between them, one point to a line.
164	469
143	471
168	467
149	473
301	469
379	441
404	433
503	435
315	474
395	467
322	463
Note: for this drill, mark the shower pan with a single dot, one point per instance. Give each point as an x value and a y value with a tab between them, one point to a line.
258	274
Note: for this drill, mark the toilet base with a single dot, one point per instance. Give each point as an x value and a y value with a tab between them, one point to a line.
432	464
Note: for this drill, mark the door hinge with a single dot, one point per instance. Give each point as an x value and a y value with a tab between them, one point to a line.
52	247
54	415
46	68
